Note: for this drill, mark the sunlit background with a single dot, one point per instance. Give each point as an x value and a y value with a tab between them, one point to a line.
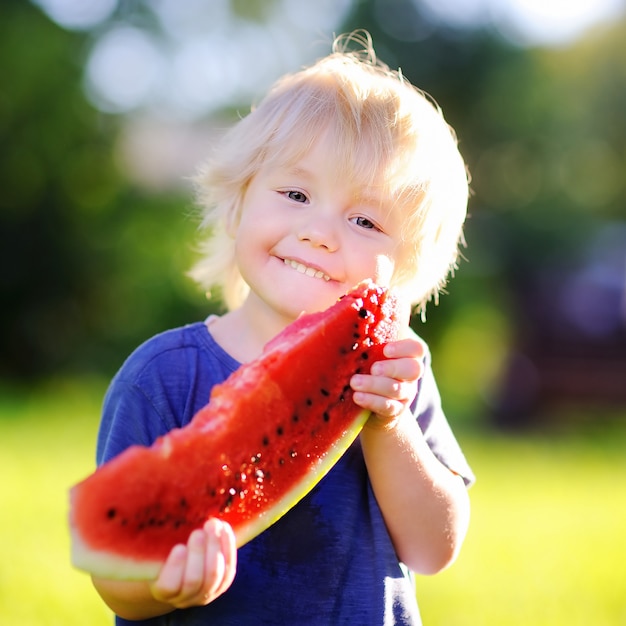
108	106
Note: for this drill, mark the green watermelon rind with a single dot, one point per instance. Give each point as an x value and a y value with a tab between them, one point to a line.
108	565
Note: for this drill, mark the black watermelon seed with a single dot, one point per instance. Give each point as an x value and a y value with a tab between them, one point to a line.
279	431
326	416
363	312
295	419
111	513
266	441
325	392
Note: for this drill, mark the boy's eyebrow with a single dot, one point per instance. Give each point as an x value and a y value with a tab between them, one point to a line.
369	197
298	170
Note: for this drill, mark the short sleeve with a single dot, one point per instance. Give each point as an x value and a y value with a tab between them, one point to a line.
435	427
158	388
128	418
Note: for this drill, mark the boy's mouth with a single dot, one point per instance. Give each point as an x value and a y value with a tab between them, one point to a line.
304	269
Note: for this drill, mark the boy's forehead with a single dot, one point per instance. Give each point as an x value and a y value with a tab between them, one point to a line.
349	160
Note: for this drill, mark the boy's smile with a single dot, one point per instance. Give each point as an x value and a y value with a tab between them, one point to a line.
304	269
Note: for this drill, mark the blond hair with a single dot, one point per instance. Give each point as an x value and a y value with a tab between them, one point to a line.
386	131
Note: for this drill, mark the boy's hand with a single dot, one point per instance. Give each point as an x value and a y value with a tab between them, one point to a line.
197	573
391	385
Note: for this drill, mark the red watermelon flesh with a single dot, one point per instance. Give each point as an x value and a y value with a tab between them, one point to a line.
270	432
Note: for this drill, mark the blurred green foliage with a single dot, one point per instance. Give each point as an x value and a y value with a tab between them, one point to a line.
93	263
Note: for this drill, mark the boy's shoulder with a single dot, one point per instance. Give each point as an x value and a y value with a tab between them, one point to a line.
166	346
185	351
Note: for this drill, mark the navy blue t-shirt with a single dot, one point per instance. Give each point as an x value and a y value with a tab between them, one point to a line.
329	560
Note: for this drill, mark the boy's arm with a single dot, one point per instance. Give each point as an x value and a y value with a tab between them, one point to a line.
193	575
131	600
424	504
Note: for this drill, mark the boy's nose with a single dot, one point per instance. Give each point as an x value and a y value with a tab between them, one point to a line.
320	233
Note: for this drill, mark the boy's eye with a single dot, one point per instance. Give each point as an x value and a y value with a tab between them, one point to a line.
296	196
363	222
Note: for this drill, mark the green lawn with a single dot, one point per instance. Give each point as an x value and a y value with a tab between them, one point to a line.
46	444
547	542
547	545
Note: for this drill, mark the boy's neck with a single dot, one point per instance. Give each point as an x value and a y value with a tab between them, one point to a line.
243	335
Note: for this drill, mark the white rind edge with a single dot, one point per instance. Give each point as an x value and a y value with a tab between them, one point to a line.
106	565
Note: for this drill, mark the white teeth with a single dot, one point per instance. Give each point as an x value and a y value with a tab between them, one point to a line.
309	271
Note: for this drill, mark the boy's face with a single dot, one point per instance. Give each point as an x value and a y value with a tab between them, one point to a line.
306	236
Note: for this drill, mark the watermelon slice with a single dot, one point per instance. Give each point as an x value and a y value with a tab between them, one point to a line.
270	432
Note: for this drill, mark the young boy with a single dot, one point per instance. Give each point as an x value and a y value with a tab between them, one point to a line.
343	172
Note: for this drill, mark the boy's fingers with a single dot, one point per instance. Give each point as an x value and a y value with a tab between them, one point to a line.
382	387
379	405
413	348
221	556
229	549
194	569
214	563
168	585
200	571
409	369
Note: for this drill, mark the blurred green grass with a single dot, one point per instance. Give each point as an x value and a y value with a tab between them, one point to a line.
46	444
546	544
